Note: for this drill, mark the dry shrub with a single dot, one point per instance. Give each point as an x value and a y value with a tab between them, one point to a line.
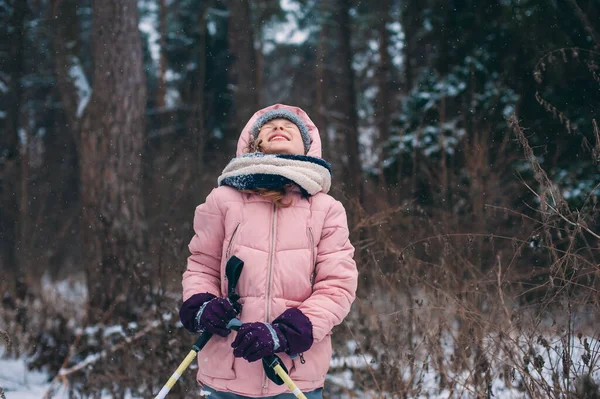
469	292
115	356
478	298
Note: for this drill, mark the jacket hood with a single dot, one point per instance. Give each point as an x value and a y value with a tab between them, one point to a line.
315	146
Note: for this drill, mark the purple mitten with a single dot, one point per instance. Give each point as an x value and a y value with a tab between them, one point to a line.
190	308
257	340
205	312
297	329
291	333
214	315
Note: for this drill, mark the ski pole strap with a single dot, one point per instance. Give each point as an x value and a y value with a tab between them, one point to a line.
173	379
233	270
269	363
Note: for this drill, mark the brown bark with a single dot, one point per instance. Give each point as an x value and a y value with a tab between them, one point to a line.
346	104
242	72
11	167
110	161
65	43
196	121
62	144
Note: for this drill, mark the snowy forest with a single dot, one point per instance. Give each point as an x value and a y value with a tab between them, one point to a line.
464	140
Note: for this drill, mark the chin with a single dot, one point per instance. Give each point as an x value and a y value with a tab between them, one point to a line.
276	149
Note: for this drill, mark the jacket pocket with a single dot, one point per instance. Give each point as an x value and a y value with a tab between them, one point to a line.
316	363
312	269
216	358
230	245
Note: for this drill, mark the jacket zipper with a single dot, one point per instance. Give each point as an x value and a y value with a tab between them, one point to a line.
312	282
271	255
312	257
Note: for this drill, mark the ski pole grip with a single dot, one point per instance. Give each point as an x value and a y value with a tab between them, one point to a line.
201	341
234	324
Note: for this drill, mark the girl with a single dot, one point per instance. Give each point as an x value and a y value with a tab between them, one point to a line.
271	210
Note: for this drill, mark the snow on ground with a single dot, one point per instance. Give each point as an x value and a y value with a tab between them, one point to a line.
20	383
584	358
545	351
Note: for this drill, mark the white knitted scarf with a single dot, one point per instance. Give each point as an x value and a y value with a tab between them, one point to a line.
258	170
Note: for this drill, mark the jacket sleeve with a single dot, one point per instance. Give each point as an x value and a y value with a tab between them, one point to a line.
203	272
336	276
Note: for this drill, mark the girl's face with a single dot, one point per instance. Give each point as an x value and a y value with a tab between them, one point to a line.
280	136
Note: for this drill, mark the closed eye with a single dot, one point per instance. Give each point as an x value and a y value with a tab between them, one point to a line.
267	126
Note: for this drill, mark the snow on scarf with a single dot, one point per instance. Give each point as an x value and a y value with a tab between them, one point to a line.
258	170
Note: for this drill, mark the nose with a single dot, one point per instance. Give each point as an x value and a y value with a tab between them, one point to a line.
279	126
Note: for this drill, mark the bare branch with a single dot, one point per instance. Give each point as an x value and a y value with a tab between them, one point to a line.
586	23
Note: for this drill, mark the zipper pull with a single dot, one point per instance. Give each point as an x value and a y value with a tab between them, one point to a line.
302	358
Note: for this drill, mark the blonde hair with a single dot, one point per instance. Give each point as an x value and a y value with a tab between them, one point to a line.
274	194
254	145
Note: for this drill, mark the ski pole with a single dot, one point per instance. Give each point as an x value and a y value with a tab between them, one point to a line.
197	347
232	271
273	362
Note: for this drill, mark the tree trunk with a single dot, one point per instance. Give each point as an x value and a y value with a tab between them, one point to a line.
61	176
12	163
346	104
259	68
382	104
73	87
243	68
110	162
23	250
321	75
161	88
196	125
410	21
62	145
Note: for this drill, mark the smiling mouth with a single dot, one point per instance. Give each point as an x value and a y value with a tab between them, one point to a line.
278	138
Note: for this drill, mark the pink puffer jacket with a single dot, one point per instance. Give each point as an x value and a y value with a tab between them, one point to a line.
296	257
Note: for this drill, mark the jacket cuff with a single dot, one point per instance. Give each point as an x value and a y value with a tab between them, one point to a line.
279	341
190	308
297	330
